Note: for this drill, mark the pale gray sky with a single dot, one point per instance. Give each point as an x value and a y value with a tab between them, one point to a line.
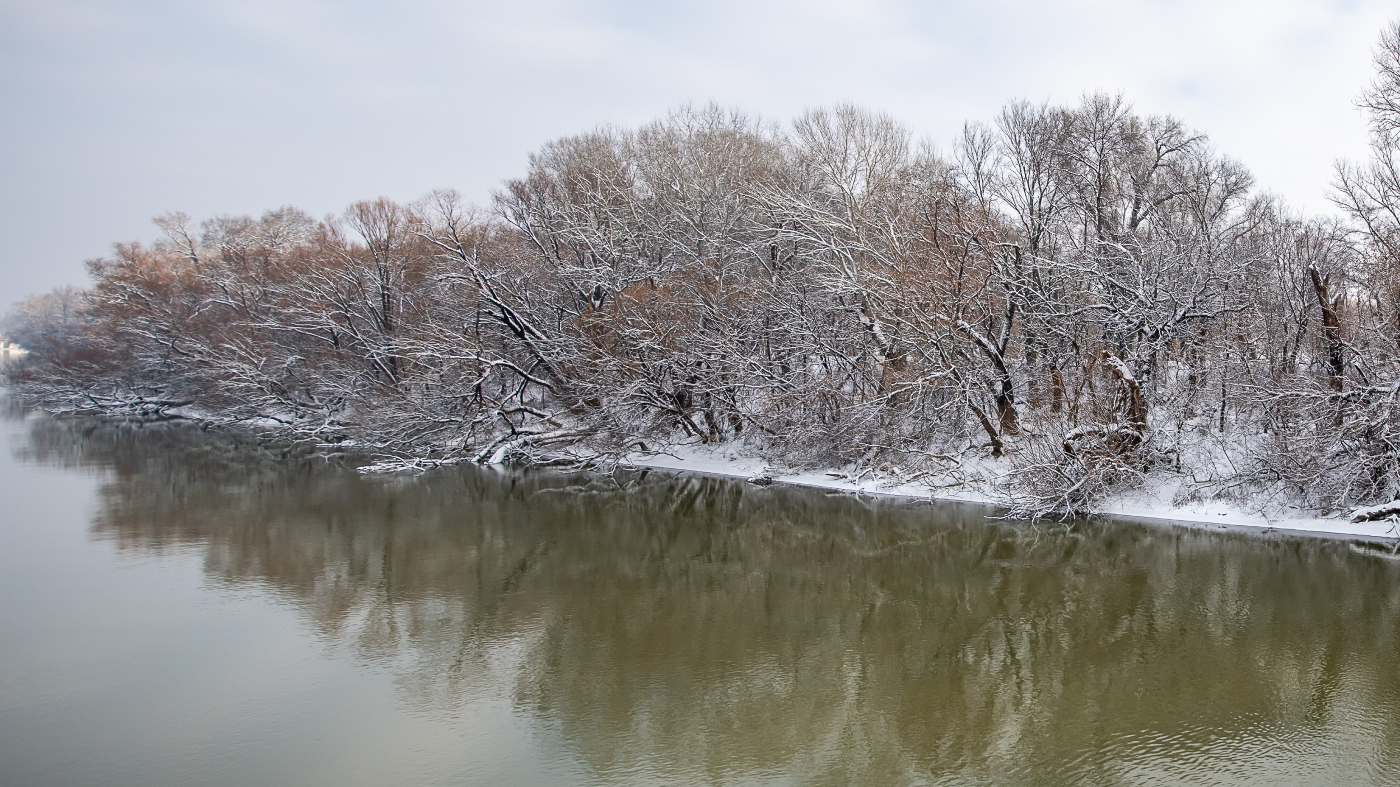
116	111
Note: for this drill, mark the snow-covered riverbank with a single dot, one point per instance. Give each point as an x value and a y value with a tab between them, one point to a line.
1152	506
975	482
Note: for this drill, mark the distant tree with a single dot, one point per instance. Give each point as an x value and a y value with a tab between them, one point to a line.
46	323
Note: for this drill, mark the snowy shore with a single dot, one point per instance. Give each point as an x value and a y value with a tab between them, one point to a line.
1147	507
1152	506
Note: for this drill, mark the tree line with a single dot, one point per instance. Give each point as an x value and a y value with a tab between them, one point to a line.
1069	298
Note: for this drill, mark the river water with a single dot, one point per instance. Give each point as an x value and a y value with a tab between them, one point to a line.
179	608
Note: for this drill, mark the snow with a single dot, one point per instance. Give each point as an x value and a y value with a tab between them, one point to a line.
1383	511
701	459
1156	506
1152	505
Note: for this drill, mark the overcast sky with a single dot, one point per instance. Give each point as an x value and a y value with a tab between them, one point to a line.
112	112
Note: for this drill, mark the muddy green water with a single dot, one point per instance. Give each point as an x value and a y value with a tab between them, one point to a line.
179	609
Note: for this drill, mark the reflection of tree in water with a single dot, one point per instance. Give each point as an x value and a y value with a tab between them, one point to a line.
723	632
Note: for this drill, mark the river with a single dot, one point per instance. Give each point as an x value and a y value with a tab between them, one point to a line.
183	608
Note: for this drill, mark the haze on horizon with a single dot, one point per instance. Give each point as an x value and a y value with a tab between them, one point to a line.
118	111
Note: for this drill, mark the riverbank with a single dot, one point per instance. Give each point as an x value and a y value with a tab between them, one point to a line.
973	482
1151	506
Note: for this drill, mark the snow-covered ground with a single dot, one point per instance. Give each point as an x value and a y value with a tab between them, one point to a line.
1221	515
1152	506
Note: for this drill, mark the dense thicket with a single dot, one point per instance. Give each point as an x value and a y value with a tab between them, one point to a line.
1072	296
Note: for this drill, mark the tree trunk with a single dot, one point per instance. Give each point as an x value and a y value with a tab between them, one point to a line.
1331	331
1133	404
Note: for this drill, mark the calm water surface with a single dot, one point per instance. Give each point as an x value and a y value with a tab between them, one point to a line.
180	609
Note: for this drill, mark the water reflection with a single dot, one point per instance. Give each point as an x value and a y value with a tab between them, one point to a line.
698	630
